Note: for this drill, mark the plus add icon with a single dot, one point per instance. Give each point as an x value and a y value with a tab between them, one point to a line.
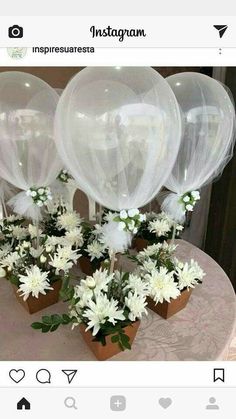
118	403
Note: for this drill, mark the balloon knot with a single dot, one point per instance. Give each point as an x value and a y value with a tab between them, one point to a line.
189	200
40	195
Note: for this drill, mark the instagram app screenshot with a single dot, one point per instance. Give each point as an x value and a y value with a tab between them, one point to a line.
117	217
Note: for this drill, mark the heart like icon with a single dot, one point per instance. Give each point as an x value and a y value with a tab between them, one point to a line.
165	402
17	375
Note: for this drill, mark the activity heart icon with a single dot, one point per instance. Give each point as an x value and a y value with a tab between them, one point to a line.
165	402
17	375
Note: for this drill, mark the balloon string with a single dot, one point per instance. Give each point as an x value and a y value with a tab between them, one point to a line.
100	214
173	234
37	234
4	208
60	203
112	263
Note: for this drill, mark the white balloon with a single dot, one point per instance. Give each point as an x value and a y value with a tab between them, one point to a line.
208	119
28	156
118	132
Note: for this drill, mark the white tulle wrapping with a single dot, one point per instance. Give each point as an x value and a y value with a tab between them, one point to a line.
118	132
6	191
171	206
28	156
116	240
208	119
63	192
24	205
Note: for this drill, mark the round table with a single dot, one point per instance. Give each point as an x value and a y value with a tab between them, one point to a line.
200	332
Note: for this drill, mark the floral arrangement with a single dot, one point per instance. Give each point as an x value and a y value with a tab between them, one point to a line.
158	227
105	304
59	222
189	200
129	220
164	275
103	241
36	262
40	196
64	176
34	257
93	246
11	230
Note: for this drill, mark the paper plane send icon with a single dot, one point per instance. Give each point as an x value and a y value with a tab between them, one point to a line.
221	29
70	374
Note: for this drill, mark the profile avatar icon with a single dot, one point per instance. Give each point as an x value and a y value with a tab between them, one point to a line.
212	404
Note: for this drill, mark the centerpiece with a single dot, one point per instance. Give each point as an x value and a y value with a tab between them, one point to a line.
156	228
37	264
170	281
93	252
107	308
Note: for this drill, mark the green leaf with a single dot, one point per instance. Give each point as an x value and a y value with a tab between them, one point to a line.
37	325
125	276
125	341
55	327
45	328
127	346
14	280
115	339
47	320
56	319
66	319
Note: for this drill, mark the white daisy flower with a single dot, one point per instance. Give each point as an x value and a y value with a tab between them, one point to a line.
100	279
102	311
159	227
162	286
68	221
148	266
60	264
137	285
4	250
35	253
136	304
35	282
19	233
110	216
74	237
95	250
32	229
189	274
11	260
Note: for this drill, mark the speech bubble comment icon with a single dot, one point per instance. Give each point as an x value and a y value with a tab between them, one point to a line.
43	376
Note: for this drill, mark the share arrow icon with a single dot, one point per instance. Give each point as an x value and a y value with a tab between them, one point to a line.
221	29
70	374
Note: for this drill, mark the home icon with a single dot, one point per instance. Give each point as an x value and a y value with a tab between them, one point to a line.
23	404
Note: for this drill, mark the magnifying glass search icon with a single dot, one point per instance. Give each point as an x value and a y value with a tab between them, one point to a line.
70	402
